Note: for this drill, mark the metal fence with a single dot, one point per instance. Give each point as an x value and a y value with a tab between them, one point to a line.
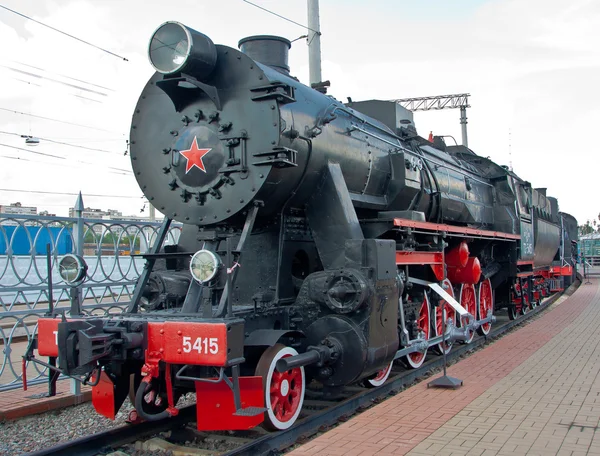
107	246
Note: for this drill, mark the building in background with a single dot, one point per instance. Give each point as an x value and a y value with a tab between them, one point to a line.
89	212
18	208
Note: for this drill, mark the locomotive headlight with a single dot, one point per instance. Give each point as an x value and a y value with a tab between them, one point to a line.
176	48
204	265
72	269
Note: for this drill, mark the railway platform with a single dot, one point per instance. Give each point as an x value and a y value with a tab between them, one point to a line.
535	391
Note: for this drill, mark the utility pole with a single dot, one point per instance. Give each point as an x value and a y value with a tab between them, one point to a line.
438	102
463	125
152	211
314	42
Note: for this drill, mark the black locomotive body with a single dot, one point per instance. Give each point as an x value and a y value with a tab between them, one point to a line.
321	242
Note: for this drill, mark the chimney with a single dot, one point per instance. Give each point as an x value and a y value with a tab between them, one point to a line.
268	50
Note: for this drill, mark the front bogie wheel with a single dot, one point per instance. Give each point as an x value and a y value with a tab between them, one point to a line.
283	391
380	378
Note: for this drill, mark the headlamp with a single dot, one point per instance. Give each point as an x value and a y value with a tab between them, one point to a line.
72	269
204	265
176	48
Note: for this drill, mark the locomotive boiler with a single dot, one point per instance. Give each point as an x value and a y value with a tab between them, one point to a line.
320	242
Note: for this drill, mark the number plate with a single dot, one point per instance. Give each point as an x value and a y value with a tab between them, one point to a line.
202	344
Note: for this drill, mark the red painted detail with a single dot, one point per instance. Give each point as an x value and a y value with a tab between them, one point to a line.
434	259
524	262
566	270
536	295
412	257
469	274
453	229
285	403
103	396
215	406
525	274
24	374
203	344
458	256
194	156
48	336
486	303
150	368
438	271
171	409
469	302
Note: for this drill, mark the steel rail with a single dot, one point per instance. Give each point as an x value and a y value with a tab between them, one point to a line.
111	440
107	441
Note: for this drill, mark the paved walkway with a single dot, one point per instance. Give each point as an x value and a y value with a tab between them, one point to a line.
18	403
535	391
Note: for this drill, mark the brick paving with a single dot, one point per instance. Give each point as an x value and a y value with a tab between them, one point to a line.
18	403
534	391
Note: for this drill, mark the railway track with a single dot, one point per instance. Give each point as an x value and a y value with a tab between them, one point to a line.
319	414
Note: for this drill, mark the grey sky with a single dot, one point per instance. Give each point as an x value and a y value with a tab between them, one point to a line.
531	67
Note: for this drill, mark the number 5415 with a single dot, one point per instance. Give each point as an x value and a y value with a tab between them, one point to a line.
201	345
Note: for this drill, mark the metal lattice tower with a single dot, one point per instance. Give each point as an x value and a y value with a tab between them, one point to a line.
460	101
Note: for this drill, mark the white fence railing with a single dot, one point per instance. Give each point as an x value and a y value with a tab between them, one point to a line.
107	246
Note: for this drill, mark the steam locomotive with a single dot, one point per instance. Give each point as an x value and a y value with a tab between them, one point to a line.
322	241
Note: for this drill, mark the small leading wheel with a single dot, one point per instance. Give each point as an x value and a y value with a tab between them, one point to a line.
469	302
380	378
415	359
450	315
486	305
284	392
513	312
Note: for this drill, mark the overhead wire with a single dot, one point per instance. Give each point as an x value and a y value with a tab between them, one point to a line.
282	17
62	158
63	75
29	73
61	143
67	193
68	164
64	33
59	121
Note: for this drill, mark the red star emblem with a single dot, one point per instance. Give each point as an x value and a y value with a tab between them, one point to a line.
194	156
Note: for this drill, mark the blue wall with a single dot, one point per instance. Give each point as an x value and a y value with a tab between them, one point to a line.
21	241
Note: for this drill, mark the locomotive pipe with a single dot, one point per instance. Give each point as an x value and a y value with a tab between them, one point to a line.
138	404
301	360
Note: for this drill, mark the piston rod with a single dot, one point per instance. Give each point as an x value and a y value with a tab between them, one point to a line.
303	359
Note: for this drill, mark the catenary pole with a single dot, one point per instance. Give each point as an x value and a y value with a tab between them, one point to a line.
314	42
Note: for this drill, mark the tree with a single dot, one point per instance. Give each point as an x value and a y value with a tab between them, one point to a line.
586	229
